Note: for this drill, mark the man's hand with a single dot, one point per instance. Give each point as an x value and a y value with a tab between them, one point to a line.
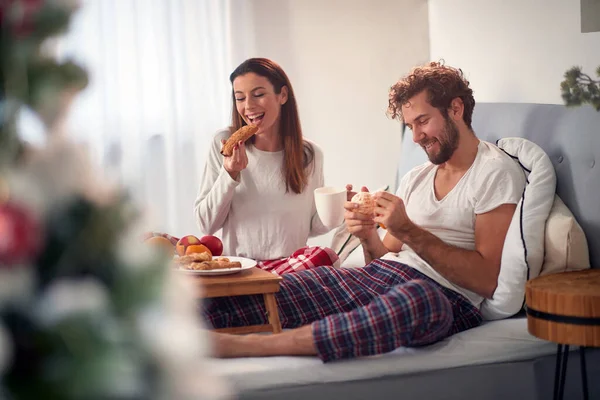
390	211
360	225
237	161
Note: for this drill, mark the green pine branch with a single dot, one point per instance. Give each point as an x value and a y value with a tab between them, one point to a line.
28	76
579	88
95	352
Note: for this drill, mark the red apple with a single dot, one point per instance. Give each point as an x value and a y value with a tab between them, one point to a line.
213	243
184	242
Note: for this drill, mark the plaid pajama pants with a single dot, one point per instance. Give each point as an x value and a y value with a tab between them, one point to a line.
301	260
356	312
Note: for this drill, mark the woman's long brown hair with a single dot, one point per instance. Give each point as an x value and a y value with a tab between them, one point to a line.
298	155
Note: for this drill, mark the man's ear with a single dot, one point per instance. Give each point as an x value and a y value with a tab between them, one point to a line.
457	108
283	95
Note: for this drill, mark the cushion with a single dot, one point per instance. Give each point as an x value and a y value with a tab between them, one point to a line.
565	245
343	243
523	252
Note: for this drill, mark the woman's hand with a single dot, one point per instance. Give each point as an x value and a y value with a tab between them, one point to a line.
237	161
350	194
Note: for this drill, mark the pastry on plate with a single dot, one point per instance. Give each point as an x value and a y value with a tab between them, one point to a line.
214	264
194	257
204	262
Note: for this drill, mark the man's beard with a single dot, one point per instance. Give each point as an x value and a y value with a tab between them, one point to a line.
448	144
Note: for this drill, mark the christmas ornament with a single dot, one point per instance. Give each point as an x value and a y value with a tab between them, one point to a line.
19	15
20	236
5	349
84	313
4	191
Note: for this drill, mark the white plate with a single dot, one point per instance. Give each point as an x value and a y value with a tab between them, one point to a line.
247	263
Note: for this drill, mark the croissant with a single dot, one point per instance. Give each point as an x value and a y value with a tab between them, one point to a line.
241	135
194	257
209	265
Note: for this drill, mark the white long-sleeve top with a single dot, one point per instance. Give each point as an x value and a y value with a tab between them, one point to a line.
259	220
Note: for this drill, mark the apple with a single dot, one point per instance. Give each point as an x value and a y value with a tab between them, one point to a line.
184	242
213	243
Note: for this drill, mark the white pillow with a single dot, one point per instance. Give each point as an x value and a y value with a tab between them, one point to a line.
523	252
566	247
344	243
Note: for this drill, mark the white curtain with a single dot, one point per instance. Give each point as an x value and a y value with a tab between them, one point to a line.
159	89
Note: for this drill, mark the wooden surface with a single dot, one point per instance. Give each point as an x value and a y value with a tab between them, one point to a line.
250	281
239	330
568	294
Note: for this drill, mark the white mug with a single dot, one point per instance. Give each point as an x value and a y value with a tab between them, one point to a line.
330	205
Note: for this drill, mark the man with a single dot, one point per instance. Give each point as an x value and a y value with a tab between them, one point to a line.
439	259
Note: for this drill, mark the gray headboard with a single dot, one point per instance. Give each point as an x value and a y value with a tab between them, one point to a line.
570	137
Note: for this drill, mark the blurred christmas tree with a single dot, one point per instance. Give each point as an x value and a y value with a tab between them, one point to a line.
85	311
579	88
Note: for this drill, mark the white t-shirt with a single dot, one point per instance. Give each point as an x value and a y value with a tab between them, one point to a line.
492	180
259	220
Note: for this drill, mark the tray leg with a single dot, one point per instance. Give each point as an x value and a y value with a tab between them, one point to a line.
271	306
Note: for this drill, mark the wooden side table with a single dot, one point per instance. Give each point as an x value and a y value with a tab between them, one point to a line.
251	281
565	308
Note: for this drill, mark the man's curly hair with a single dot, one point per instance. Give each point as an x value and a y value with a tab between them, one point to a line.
443	84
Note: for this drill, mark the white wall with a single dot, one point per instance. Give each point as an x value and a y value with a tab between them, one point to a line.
512	50
341	56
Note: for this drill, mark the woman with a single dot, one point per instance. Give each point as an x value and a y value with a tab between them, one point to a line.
262	195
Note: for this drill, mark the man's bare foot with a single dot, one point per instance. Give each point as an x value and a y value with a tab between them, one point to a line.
227	346
294	342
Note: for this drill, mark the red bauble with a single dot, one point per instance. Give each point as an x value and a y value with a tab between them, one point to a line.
20	235
21	14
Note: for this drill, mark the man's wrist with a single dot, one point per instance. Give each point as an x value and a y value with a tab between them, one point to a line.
373	247
406	233
370	240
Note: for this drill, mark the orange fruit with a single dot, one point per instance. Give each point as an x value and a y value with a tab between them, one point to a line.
197	248
161	243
